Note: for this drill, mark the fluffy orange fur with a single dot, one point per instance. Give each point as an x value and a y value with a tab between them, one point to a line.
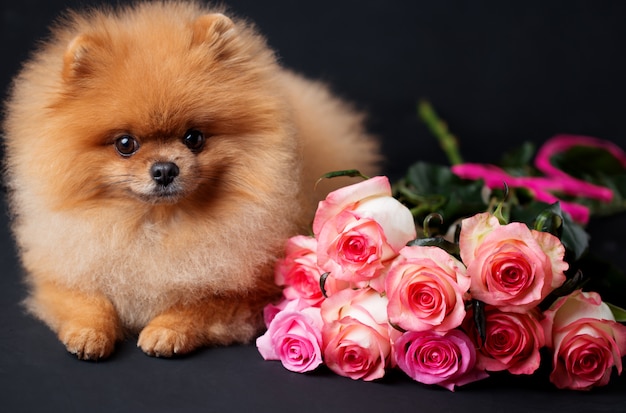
107	250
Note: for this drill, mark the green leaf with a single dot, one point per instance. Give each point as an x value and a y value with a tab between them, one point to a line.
429	178
323	279
465	199
351	173
450	247
596	166
585	161
573	236
479	320
570	285
617	184
618	312
550	220
429	188
603	277
518	158
501	212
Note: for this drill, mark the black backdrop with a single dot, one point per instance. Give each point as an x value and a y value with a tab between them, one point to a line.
499	72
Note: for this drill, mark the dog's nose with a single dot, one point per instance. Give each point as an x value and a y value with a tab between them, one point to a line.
164	173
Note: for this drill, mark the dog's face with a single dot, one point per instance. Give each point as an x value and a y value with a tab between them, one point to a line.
160	170
169	109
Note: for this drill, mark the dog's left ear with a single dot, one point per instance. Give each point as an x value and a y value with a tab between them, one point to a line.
213	30
78	60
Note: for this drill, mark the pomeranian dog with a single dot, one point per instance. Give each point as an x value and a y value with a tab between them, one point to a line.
157	159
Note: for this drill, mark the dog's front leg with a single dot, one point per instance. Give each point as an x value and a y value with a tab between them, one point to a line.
86	323
213	320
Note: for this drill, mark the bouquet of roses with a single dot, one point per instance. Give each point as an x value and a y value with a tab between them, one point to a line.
494	274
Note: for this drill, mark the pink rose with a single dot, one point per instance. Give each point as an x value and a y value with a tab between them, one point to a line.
512	341
447	360
586	340
299	272
510	266
359	228
356	334
426	287
271	310
294	337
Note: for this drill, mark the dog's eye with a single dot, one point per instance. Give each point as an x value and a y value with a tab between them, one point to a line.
126	145
194	140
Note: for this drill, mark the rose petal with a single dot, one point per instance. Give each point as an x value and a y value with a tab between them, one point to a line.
473	231
338	200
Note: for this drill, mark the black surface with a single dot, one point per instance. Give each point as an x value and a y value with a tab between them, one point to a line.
499	72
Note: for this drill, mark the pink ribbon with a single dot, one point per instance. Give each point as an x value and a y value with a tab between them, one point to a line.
554	179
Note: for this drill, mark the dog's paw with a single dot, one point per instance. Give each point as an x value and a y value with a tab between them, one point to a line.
159	341
88	343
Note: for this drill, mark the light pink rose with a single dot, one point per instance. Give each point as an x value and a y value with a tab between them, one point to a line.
356	334
359	228
426	288
298	271
294	337
447	359
510	266
512	340
271	310
585	339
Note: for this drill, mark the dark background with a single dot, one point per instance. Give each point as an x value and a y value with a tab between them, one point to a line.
499	72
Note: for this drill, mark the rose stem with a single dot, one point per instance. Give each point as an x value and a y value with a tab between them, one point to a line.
447	141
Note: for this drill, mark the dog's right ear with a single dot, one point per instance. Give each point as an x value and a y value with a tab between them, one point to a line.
213	30
76	61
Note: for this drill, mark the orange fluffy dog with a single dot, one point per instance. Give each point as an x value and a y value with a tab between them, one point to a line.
158	157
